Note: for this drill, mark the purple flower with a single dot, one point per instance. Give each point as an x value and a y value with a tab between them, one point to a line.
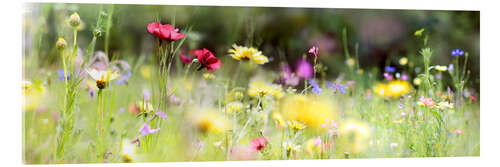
146	129
304	69
450	67
146	94
390	69
337	87
199	144
317	141
404	77
438	76
316	89
124	78
61	75
174	99
287	77
121	110
457	52
162	115
136	140
91	93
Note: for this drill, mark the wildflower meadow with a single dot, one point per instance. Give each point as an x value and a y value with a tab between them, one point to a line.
110	83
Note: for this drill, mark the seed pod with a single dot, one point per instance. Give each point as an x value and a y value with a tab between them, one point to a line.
74	20
61	44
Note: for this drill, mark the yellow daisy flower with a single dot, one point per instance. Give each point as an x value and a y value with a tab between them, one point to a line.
308	109
210	121
246	53
259	88
353	135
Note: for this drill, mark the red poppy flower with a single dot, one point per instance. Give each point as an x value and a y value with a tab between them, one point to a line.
165	32
207	59
185	59
258	144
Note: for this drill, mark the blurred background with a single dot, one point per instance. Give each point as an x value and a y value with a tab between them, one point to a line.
283	34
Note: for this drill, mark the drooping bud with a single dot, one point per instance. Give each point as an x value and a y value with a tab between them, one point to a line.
61	44
74	20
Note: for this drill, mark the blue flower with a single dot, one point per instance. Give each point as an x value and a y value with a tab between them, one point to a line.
61	75
337	87
390	69
316	89
457	52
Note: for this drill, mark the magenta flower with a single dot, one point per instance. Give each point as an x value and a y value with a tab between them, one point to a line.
146	129
304	69
388	76
185	59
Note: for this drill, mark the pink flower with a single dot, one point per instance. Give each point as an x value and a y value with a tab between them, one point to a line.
427	101
458	131
314	50
185	59
241	153
388	76
258	144
473	98
146	129
207	59
165	32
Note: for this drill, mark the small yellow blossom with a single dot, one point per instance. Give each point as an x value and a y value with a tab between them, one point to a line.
417	81
441	68
419	32
279	119
350	62
234	107
208	76
145	106
33	95
259	88
403	61
295	126
145	72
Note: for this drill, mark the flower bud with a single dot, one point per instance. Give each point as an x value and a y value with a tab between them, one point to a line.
61	44
74	20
